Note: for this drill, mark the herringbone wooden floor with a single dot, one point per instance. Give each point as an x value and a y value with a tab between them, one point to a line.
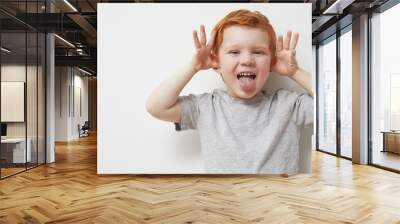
70	191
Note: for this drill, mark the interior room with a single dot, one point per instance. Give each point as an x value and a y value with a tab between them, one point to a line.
52	129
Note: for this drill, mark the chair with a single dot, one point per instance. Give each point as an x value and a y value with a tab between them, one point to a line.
84	130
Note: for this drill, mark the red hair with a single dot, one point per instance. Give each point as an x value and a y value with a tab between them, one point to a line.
247	18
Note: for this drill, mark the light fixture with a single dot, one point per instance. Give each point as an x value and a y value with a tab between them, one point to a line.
70	5
337	7
80	51
84	71
64	40
5	50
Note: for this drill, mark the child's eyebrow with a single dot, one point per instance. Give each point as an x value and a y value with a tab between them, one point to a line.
231	46
261	47
264	47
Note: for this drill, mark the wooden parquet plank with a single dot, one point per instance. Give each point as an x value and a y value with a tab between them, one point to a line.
70	191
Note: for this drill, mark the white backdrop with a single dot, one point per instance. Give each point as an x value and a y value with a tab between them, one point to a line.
141	44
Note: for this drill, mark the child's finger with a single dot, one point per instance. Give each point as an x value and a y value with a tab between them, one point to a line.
203	36
196	40
286	41
295	40
293	55
279	43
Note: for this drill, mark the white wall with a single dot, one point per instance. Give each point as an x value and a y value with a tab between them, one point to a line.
11	73
68	81
80	84
61	103
135	56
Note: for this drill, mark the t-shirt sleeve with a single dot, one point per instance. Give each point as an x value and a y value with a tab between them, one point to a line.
303	111
190	111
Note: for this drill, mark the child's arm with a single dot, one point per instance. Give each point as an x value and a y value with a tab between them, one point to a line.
163	101
303	78
286	63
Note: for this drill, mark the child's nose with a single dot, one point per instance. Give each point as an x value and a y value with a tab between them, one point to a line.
247	59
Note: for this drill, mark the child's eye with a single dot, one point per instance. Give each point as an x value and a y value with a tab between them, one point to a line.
258	52
233	52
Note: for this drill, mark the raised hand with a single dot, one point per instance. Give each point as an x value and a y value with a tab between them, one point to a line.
286	63
202	58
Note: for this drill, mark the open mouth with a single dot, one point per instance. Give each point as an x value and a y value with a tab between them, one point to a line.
248	75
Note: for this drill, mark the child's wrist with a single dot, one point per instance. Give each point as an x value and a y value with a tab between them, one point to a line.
298	70
193	65
193	68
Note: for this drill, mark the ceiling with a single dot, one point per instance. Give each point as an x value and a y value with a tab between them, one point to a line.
76	22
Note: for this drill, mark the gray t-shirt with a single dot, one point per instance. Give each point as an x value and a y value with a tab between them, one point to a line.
239	136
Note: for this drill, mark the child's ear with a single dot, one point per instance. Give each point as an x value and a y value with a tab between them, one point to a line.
215	66
215	63
273	61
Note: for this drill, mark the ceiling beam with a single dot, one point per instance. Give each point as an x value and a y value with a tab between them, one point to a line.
85	61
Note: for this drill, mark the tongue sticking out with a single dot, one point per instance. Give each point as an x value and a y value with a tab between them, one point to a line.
247	84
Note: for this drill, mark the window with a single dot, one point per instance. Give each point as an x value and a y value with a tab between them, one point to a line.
327	96
385	89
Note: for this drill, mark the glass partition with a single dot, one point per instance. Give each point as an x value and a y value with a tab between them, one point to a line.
327	96
22	77
13	105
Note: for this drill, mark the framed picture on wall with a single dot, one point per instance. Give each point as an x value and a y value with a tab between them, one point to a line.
12	101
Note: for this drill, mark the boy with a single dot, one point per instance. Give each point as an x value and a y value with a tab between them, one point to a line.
242	130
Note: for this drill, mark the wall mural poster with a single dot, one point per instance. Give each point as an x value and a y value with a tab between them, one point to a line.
174	97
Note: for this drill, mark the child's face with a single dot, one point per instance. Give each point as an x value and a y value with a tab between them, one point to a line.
244	60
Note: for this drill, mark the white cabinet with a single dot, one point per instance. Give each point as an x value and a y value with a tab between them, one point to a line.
18	149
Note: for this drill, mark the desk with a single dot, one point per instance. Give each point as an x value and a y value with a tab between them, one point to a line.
15	148
391	141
